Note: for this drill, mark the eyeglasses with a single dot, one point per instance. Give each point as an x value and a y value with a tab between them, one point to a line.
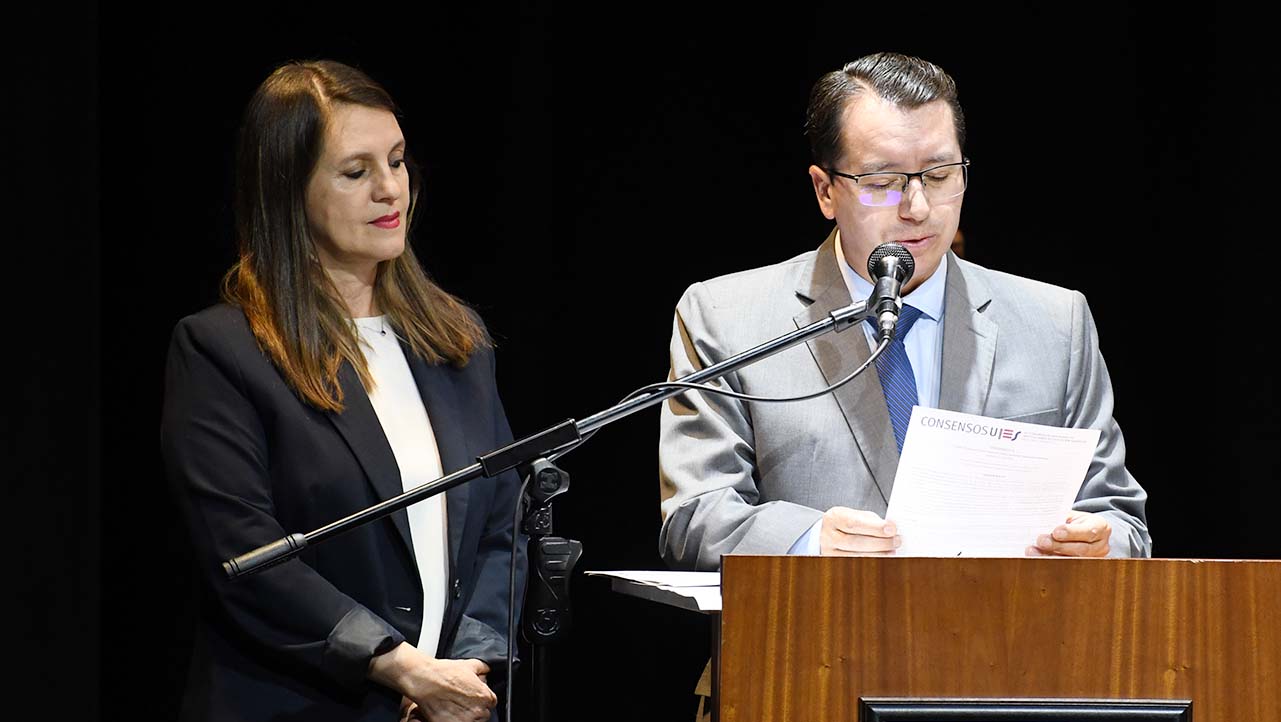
939	183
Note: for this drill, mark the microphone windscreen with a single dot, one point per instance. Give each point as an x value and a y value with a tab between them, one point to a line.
904	256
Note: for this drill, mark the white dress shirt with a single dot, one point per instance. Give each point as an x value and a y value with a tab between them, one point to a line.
401	413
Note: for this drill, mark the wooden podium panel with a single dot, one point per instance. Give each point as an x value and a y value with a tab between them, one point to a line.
802	638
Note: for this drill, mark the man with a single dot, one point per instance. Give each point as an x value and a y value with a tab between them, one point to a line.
887	135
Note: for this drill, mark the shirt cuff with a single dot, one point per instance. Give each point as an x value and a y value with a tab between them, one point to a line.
808	545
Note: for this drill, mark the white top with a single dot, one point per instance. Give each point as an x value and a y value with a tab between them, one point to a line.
404	420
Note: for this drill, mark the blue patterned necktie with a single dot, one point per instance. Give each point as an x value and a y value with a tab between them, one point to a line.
897	380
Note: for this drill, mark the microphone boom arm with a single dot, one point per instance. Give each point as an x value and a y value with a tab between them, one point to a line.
529	448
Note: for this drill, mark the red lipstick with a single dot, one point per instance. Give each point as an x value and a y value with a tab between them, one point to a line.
388	221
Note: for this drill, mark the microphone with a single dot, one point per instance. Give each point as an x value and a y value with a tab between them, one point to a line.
891	266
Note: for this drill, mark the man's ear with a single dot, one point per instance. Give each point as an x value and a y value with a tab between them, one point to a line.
823	192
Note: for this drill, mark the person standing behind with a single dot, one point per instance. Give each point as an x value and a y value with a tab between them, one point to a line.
335	375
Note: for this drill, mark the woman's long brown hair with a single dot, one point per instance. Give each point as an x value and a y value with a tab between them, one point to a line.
294	310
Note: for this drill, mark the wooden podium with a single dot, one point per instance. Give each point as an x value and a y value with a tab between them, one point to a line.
802	639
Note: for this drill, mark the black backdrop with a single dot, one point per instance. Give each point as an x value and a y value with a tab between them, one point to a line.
583	168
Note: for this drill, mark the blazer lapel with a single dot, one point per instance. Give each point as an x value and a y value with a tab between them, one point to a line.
969	342
861	401
358	424
444	404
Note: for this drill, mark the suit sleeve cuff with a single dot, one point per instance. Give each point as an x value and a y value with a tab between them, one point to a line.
1126	540
477	640
357	638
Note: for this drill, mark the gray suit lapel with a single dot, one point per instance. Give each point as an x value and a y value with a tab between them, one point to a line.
861	401
969	342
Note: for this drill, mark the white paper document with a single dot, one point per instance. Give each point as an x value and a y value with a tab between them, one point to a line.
699	591
656	578
978	487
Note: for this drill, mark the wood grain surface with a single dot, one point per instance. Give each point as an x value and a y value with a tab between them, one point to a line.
804	637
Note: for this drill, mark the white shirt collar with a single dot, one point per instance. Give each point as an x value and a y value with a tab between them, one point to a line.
927	297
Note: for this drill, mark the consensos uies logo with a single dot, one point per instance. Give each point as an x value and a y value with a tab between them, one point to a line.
969	427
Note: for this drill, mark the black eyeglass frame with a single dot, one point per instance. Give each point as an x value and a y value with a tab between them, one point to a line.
964	163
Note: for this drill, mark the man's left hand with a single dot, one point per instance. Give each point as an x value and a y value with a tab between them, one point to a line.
1083	535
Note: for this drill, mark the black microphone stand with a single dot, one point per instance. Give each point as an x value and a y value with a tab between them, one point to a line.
552	558
548	616
534	446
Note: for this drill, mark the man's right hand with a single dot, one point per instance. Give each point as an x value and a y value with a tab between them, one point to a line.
855	532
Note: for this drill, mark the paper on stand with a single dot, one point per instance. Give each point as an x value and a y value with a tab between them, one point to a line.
974	486
699	591
664	578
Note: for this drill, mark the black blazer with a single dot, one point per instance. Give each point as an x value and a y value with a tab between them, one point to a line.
251	463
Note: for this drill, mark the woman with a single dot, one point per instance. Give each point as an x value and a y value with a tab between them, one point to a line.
336	375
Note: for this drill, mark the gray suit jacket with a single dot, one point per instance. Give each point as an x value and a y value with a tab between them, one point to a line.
751	478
